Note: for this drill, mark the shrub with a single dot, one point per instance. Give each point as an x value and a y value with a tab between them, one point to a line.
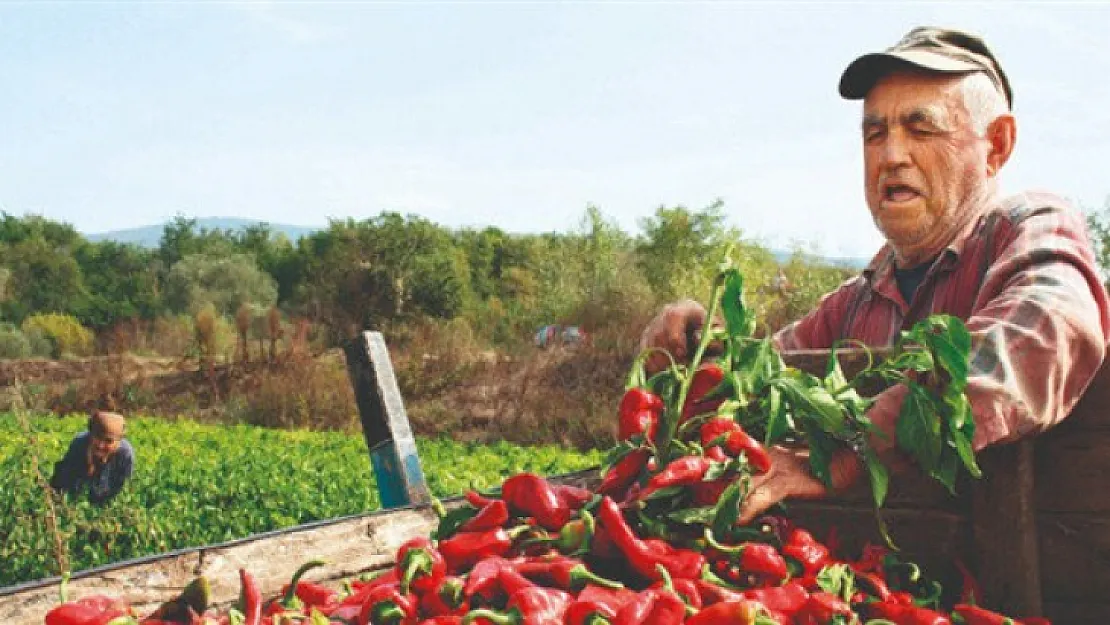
13	343
64	331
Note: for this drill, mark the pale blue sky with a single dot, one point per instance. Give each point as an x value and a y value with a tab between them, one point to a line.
511	114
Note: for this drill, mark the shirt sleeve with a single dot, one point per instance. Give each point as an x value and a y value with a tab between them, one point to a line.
1039	328
69	470
820	327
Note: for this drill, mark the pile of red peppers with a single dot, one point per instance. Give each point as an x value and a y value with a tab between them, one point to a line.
547	554
657	541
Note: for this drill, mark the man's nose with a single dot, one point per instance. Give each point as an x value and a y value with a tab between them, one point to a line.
895	152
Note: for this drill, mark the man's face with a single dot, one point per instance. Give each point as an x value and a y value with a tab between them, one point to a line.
104	445
922	160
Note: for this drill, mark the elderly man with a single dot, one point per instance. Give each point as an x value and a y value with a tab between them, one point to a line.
99	461
937	129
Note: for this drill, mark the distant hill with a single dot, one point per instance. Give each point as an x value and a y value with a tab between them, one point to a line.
150	236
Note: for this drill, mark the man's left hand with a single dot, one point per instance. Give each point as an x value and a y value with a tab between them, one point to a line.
791	478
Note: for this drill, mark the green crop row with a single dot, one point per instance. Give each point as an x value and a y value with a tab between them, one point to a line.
200	484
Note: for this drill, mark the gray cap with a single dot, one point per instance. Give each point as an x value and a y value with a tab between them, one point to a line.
933	49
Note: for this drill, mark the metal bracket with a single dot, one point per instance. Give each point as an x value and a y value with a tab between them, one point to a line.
385	424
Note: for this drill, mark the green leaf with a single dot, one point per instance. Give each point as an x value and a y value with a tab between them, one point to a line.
693	516
918	428
739	320
963	439
821	450
837	579
880	478
778	423
727	511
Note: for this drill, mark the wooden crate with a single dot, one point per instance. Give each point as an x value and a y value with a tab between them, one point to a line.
1036	529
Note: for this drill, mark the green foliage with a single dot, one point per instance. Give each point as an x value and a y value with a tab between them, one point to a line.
225	282
65	333
13	343
680	248
197	484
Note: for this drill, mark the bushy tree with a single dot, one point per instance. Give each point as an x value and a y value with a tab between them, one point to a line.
226	282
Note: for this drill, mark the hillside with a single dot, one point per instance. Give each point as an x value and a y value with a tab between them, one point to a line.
149	236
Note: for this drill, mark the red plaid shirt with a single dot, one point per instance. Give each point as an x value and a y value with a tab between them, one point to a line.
1023	278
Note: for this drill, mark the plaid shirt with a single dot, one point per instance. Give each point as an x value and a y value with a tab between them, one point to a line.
1023	278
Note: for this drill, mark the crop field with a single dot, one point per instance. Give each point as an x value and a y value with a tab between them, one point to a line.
198	484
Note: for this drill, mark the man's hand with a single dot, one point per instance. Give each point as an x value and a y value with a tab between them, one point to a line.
790	475
790	478
676	329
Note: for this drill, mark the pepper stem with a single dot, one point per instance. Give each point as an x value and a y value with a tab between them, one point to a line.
388	615
496	618
416	561
437	507
289	600
668	583
580	574
63	588
737	549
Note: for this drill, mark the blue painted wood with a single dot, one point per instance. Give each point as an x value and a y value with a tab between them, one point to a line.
385	424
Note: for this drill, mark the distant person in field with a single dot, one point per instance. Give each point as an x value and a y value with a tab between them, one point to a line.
935	130
99	461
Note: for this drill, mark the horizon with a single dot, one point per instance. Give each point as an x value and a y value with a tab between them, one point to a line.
510	116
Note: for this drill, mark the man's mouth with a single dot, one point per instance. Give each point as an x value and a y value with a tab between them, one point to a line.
899	193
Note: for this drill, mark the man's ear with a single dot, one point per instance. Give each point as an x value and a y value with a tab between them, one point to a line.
1001	135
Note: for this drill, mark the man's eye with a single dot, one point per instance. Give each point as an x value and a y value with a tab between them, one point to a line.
872	135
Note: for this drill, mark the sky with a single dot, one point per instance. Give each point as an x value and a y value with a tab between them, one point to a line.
512	114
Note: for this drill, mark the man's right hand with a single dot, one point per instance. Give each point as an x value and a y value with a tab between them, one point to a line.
676	329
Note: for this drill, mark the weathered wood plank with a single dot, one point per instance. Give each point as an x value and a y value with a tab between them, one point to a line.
352	546
1071	466
385	424
1005	530
1073	613
1075	556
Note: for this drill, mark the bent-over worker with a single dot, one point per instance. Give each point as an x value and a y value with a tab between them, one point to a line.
98	462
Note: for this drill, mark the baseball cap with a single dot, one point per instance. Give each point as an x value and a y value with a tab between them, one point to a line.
934	49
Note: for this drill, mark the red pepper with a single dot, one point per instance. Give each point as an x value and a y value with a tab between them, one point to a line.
788	598
804	548
639	413
709	493
624	473
873	585
738	612
822	608
315	595
443	620
490	516
290	601
462	551
573	539
533	605
588	612
563	573
755	558
84	612
447	599
573	497
251	598
528	494
687	589
656	606
971	593
483	578
708	376
614	598
420	566
903	614
685	471
712	594
975	615
387	605
477	500
644	555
